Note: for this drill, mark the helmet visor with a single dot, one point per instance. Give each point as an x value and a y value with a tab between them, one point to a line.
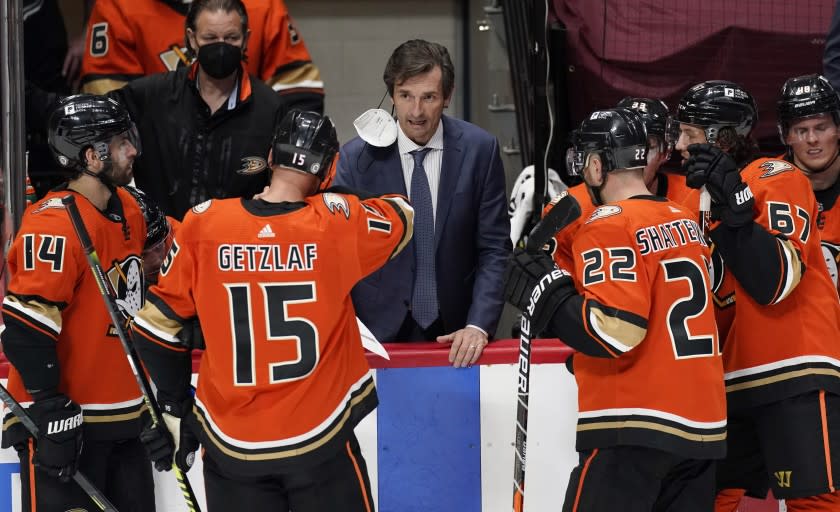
127	140
575	161
818	127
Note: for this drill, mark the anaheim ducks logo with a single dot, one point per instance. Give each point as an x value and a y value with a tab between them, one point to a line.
252	165
774	167
127	281
831	254
558	197
336	203
53	202
202	207
604	211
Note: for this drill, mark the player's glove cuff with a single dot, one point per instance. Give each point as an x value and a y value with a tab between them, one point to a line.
738	210
535	285
59	441
524	270
185	443
159	445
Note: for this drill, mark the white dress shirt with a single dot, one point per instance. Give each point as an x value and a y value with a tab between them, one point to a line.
432	163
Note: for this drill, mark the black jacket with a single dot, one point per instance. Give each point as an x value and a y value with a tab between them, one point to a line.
189	156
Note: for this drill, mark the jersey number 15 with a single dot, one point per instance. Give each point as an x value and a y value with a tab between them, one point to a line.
280	327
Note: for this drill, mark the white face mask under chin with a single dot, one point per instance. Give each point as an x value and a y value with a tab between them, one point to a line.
376	127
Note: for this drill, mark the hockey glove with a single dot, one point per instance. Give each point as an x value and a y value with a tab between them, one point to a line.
732	199
59	441
184	441
159	446
191	335
533	283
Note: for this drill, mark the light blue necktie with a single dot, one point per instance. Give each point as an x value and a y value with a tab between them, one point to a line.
424	301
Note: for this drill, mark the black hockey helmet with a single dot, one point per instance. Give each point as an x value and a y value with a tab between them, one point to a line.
716	104
654	113
87	120
617	135
805	96
158	233
305	141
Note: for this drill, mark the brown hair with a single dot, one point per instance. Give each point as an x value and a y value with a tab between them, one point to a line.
416	57
198	6
742	149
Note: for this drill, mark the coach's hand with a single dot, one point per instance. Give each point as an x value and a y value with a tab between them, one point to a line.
59	441
467	345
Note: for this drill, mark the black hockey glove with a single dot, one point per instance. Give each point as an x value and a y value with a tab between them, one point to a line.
533	283
191	335
159	446
732	199
59	441
184	441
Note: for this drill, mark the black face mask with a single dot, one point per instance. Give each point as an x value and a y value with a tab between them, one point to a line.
219	60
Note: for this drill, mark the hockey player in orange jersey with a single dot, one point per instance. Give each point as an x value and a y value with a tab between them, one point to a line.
638	310
283	379
654	114
66	359
131	39
809	124
781	356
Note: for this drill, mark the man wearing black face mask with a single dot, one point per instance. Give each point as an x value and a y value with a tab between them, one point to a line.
204	127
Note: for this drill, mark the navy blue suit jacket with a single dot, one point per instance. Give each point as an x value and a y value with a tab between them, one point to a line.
472	231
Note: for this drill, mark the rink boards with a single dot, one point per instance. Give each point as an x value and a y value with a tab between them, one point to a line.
442	438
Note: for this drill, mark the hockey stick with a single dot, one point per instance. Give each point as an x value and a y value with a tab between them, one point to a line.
95	494
563	213
705	211
109	297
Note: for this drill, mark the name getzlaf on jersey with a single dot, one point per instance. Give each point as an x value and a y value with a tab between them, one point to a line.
284	378
53	296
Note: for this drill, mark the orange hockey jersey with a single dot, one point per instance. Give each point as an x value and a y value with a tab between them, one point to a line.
53	295
641	265
284	378
828	222
790	346
130	39
669	185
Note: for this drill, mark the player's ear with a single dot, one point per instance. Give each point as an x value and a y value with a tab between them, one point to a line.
597	169
91	158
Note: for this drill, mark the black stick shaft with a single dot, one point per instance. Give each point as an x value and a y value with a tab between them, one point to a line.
565	211
522	394
109	297
95	494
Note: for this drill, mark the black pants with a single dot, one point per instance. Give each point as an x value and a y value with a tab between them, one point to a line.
790	446
119	469
339	484
638	479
